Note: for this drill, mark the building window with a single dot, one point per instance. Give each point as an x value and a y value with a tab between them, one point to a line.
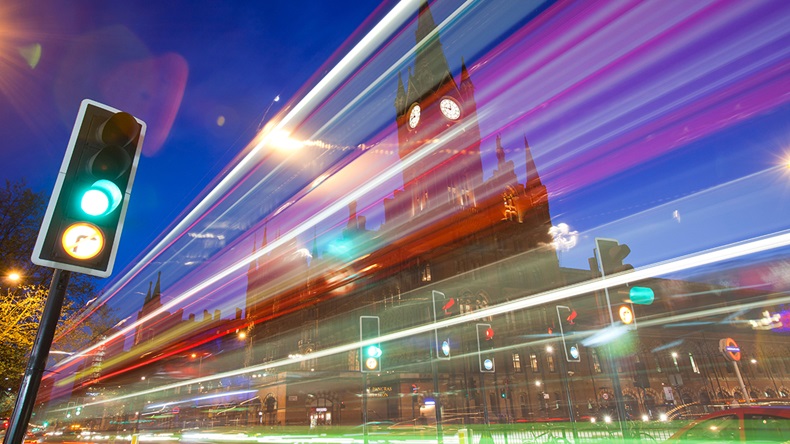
675	361
516	363
550	362
595	361
425	272
694	366
533	362
510	208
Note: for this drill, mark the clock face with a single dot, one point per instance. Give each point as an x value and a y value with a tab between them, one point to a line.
450	109
414	116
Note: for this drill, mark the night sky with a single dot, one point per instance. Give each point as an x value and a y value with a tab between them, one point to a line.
201	74
660	124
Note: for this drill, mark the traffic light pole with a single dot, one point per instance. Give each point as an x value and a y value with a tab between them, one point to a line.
618	393
23	409
365	408
437	406
569	398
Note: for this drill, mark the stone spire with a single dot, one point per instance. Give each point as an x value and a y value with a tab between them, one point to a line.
431	69
400	98
500	152
156	296
533	178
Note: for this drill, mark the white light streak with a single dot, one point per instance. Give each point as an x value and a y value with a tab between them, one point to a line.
347	65
725	253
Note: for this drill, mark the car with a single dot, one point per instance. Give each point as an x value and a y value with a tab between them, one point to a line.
741	424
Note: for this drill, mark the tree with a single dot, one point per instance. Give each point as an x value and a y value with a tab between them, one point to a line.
20	313
21	212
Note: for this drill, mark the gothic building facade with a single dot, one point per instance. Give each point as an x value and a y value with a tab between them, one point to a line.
478	241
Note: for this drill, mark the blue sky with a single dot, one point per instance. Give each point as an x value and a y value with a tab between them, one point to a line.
200	73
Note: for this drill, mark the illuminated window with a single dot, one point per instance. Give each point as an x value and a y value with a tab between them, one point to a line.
425	272
516	363
550	362
595	360
694	366
533	362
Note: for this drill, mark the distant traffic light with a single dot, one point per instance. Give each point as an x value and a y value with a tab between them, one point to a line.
443	307
485	348
370	355
84	219
611	255
626	315
567	320
641	295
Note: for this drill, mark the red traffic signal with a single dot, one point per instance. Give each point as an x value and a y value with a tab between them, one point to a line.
489	333
449	307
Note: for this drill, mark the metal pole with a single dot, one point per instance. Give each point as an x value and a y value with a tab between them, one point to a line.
612	360
485	401
437	406
365	407
568	397
37	363
746	396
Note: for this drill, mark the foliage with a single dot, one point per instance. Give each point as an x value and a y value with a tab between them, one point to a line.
21	212
20	313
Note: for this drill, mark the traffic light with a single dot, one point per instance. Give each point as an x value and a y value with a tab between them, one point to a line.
84	219
611	255
443	307
567	321
370	355
503	393
485	348
625	313
641	295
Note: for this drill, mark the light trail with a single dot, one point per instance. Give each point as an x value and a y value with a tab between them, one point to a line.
319	217
389	24
729	252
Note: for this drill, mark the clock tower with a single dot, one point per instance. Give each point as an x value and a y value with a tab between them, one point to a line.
435	113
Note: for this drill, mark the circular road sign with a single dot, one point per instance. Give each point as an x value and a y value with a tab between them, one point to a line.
729	348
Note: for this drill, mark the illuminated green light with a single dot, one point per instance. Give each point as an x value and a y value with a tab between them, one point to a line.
373	351
102	198
641	295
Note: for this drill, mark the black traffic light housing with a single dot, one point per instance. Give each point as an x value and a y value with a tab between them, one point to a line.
443	308
611	254
83	222
370	354
485	348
